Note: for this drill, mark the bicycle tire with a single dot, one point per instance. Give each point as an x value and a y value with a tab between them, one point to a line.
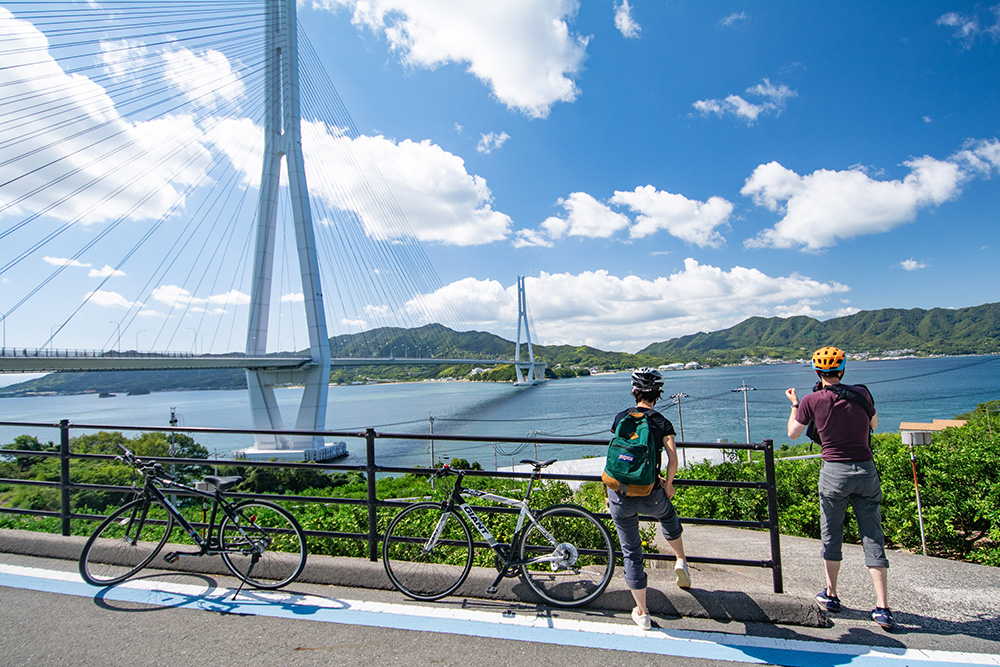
125	542
578	577
427	575
264	546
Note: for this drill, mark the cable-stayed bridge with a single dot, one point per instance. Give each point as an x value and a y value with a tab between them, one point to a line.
170	142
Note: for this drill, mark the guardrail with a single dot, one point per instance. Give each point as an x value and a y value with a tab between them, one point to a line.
371	469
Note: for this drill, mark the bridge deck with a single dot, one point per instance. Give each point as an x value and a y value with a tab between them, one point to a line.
48	361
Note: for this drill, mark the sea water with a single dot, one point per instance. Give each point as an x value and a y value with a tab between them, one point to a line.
713	410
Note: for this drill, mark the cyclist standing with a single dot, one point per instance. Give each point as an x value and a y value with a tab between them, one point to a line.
844	416
647	387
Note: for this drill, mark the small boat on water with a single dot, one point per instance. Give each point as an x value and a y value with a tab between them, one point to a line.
106	394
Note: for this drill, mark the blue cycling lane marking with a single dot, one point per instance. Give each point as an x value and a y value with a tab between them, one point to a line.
489	624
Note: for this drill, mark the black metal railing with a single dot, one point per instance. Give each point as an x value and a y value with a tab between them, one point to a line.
371	469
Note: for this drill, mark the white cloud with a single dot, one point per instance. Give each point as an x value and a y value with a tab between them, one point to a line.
523	50
912	265
207	78
440	201
106	299
733	20
174	295
773	98
980	157
689	220
64	261
628	313
141	166
821	208
294	297
968	29
585	217
692	221
488	142
624	22
106	272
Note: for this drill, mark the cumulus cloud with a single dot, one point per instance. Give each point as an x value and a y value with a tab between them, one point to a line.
140	170
912	265
826	206
207	78
106	272
293	297
692	221
628	313
523	50
106	299
174	295
772	100
438	199
626	25
488	142
64	261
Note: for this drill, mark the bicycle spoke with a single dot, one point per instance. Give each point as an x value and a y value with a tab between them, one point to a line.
427	553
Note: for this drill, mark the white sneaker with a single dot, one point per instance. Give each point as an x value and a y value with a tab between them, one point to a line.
683	574
642	620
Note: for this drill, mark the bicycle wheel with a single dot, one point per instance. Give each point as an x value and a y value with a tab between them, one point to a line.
419	571
262	544
578	567
125	542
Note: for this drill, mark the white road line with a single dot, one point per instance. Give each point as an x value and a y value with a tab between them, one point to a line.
493	624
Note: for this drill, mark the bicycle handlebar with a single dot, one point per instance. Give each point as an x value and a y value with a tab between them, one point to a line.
145	467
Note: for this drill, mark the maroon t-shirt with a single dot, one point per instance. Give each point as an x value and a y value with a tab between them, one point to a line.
842	424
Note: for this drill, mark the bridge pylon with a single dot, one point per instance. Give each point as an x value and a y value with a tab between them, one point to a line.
528	372
283	140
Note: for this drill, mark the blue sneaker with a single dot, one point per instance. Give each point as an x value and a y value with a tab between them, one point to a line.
883	616
829	602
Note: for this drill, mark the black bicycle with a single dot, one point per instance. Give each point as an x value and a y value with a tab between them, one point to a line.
564	553
259	541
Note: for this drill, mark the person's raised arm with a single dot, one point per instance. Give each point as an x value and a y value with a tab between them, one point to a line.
795	429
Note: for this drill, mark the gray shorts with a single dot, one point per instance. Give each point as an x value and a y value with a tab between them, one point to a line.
856	483
625	511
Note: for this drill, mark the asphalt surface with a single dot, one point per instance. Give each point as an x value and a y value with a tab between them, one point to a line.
934	600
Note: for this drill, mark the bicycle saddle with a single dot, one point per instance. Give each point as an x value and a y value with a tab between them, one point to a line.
539	464
223	483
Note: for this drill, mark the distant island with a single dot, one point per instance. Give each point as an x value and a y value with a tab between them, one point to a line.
885	332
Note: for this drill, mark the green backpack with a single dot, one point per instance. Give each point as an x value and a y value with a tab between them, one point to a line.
630	469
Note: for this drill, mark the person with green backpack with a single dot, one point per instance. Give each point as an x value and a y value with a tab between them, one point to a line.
635	485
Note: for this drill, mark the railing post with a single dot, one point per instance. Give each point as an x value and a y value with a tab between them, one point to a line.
64	475
772	516
372	500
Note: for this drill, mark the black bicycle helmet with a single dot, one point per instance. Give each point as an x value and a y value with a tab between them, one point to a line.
647	379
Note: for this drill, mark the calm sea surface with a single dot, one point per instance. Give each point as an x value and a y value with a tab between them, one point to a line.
904	390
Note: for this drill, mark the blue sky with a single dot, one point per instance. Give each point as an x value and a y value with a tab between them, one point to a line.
654	169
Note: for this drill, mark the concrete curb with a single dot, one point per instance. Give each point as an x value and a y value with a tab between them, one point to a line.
663	597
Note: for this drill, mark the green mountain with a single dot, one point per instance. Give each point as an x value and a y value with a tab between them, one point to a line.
936	331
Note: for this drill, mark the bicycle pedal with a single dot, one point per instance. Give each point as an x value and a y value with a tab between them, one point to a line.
491	590
171	557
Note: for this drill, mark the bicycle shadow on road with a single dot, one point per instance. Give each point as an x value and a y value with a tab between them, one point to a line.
214	597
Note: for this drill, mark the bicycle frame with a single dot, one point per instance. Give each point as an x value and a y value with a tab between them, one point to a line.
210	545
456	500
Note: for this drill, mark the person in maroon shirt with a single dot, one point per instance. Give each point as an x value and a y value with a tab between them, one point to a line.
844	416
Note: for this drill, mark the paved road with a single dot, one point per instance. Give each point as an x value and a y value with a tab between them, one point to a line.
48	616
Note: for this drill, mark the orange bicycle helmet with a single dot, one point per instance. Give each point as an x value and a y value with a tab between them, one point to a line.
828	359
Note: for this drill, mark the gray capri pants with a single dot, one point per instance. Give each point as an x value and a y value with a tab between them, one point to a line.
625	511
857	483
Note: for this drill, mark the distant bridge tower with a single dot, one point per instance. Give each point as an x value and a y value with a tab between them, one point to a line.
528	372
283	140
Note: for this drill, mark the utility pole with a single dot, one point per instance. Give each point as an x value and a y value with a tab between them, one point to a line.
432	439
680	422
746	412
